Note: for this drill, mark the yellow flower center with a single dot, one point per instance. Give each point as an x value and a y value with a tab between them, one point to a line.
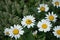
28	21
15	31
56	3
44	26
51	18
7	33
42	8
58	32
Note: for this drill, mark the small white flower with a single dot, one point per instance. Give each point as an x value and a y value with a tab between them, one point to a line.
16	31
34	33
56	3
51	17
6	31
28	21
57	31
44	25
43	7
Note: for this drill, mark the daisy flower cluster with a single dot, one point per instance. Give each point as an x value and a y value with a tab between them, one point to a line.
14	31
45	8
28	21
44	25
56	3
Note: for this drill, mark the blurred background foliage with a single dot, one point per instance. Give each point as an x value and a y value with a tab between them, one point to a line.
12	11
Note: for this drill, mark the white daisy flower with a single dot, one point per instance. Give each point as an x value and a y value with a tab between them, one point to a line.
56	3
43	7
16	31
51	17
34	33
6	31
44	25
57	31
28	21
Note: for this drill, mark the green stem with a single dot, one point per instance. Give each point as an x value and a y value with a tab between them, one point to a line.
43	1
44	36
15	39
